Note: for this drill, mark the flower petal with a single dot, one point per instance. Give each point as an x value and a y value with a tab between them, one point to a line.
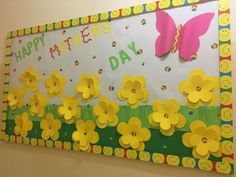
165	124
174	119
55	135
134	144
94	137
202	149
168	132
196	124
136	121
174	104
213	145
214	132
185	139
198	156
205	96
194	97
90	126
123	128
194	139
45	134
182	121
157	117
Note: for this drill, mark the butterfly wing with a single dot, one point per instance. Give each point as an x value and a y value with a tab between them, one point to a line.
165	25
190	33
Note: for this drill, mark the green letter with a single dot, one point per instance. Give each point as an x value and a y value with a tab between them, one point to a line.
36	43
133	48
18	57
114	62
24	52
29	46
124	56
41	38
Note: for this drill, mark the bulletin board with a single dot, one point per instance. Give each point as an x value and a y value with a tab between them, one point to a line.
150	82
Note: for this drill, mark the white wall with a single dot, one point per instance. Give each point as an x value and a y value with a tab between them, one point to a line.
27	161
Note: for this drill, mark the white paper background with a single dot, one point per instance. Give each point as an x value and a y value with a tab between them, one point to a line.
144	37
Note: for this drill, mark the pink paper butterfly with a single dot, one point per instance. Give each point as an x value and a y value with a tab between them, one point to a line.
184	38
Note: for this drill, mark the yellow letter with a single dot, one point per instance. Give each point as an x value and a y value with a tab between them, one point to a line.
76	39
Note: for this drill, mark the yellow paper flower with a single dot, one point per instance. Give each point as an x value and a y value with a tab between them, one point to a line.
37	104
166	116
50	127
88	86
132	134
204	140
23	124
15	97
105	112
200	89
85	134
133	90
55	84
30	79
69	109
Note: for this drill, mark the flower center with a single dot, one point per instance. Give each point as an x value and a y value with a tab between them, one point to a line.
198	88
69	108
89	86
133	134
15	97
85	133
30	80
204	140
166	116
36	104
133	90
55	84
50	127
105	112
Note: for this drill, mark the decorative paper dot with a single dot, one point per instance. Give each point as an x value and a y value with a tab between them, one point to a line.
167	68
111	88
214	46
143	63
76	62
61	69
63	32
71	80
39	58
94	57
113	43
194	57
126	27
143	21
140	51
163	87
44	74
100	71
19	41
190	112
194	7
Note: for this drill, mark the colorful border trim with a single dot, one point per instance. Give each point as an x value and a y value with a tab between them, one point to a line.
106	16
226	166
